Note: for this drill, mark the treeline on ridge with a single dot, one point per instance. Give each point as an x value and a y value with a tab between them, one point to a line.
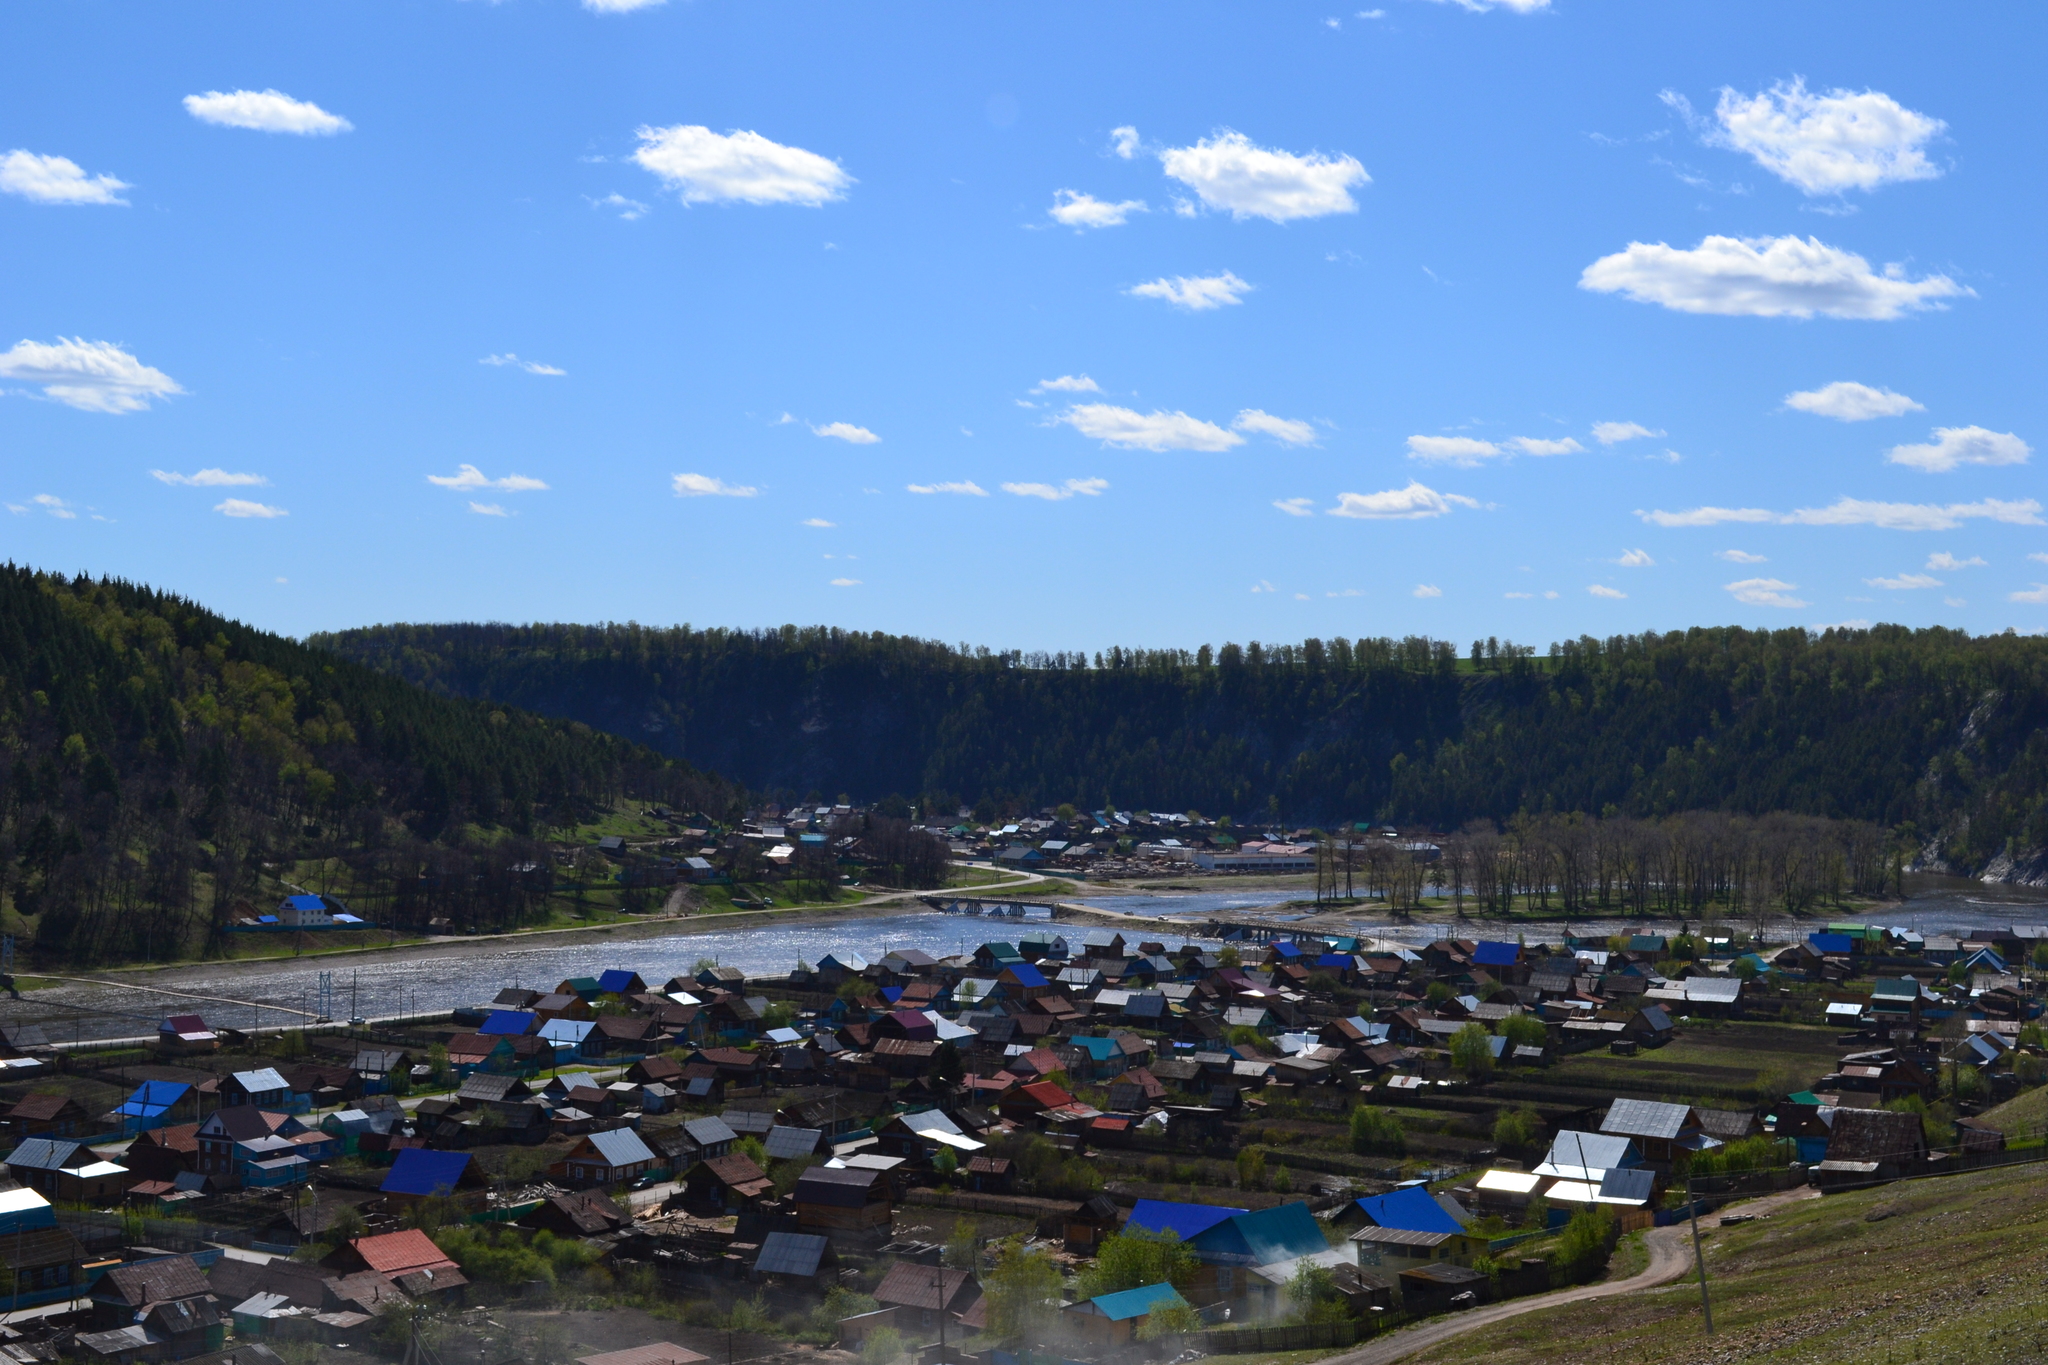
1933	729
155	757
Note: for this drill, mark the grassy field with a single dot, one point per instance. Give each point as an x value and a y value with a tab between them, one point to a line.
1945	1270
2025	1116
1719	1065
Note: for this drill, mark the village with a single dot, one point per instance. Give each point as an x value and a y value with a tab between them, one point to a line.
1069	1140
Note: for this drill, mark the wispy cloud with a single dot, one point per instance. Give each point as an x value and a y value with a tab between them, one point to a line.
1764	592
1428	590
1297	507
848	432
209	478
468	477
704	167
1945	561
1613	433
92	376
1765	277
1124	141
56	180
1129	429
1846	401
1905	582
1741	557
1285	430
963	487
846	582
1412	503
1087	488
1636	559
1536	445
530	366
1230	173
1071	208
1602	590
820	523
265	111
1464	451
1954	447
628	209
1067	383
1707	516
1195	293
704	486
1892	516
238	507
55	506
488	509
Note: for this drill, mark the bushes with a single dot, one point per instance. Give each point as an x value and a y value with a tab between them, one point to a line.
1472	1050
1748	1154
1376	1132
1583	1246
1137	1257
1515	1129
1251	1169
1524	1030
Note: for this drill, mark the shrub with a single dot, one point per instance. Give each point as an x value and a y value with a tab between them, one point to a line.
1376	1132
882	1346
1516	1128
1174	1318
1524	1030
1583	1246
1251	1169
1472	1050
1137	1257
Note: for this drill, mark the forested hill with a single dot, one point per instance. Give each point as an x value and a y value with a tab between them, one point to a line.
1932	726
155	756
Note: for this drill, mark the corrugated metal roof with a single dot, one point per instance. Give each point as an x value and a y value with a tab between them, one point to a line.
790	1253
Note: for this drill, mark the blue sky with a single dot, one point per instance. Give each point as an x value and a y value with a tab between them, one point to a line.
1196	322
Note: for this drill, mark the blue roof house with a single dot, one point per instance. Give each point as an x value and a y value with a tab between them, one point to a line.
1109	1320
420	1173
1232	1244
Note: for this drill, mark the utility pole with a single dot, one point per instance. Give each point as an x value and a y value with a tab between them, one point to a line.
1699	1255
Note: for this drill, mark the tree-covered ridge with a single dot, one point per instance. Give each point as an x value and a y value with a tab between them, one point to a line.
155	756
1893	725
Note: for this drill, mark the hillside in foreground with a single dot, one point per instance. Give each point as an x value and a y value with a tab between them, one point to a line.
1951	1270
1938	728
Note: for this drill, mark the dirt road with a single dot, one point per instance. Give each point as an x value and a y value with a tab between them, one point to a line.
1670	1258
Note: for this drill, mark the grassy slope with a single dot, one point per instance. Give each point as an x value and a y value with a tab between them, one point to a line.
2023	1116
1720	1066
1948	1270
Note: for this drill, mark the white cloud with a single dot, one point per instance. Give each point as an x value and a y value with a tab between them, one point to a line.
1482	6
1428	590
704	167
704	486
1297	507
1228	171
1846	401
1196	293
209	478
1741	557
848	432
1087	488
1398	504
1346	592
265	111
1905	582
846	582
55	506
820	523
93	376
1129	429
530	366
1947	562
2038	593
1536	445
468	476
1263	586
1550	594
56	180
619	6
488	509
1068	383
1463	451
964	487
1602	590
1911	516
238	507
2038	557
1613	433
1124	141
1954	446
1765	592
629	209
1764	277
1955	602
1706	516
1283	429
1071	208
1636	559
1827	144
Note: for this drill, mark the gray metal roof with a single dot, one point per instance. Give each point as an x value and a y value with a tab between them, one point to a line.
1645	1118
621	1147
707	1131
790	1253
785	1143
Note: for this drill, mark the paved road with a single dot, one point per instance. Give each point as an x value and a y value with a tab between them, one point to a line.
1670	1258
